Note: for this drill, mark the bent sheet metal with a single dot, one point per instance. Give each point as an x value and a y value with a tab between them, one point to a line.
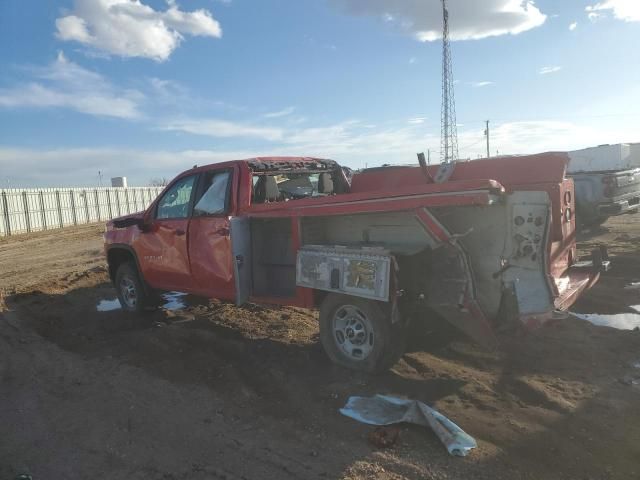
388	410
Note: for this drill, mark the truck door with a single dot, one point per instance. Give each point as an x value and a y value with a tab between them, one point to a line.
165	259
241	248
210	251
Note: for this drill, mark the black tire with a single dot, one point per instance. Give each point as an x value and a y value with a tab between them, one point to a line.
592	222
599	221
370	331
131	292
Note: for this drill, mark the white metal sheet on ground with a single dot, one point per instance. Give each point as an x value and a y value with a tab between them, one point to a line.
389	410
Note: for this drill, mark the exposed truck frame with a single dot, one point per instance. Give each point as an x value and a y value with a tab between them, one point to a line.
486	244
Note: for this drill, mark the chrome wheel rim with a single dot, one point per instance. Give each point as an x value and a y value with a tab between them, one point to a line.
353	332
128	292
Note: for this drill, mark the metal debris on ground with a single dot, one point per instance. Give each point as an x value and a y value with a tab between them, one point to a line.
388	410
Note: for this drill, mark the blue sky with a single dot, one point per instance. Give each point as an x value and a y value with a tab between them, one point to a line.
147	88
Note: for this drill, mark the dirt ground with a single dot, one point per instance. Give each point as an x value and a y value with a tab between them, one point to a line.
219	392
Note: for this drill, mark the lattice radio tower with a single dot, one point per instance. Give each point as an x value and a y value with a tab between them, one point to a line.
448	128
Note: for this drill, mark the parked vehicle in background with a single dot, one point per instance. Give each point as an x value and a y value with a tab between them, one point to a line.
486	244
607	181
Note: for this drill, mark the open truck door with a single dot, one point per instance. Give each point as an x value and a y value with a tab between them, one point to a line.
241	249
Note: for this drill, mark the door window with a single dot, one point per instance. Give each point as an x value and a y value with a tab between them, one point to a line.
175	203
215	199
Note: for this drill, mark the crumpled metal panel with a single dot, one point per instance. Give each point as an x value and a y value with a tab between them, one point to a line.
388	410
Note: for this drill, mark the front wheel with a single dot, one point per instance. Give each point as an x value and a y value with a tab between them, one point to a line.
130	290
358	334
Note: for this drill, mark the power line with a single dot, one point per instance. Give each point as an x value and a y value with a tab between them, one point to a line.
472	145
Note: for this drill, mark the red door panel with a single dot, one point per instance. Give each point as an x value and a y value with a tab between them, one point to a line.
165	259
209	236
211	260
163	247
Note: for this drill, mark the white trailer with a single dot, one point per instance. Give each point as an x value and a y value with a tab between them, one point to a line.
605	158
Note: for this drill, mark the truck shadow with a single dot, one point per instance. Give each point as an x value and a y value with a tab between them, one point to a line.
590	232
268	355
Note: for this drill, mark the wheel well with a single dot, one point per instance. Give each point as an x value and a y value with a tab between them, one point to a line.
116	257
318	297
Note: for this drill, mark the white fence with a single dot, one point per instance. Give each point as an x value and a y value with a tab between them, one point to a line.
25	210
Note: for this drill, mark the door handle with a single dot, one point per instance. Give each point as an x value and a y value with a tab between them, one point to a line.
223	231
179	232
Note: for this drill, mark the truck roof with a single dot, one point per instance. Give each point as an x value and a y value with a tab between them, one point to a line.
291	163
274	164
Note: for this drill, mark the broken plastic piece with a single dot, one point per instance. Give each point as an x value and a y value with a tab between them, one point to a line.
388	410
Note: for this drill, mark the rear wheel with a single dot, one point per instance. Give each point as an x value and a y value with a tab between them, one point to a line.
358	333
130	290
599	221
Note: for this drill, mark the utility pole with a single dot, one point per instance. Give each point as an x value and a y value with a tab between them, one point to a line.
448	127
487	134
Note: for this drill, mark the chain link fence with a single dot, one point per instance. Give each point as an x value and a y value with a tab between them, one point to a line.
26	210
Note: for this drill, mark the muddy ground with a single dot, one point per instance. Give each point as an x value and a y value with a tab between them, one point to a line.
219	392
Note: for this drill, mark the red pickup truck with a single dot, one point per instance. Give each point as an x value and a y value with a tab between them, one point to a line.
485	244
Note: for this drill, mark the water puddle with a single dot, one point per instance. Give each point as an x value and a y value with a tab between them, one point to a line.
621	321
108	305
172	301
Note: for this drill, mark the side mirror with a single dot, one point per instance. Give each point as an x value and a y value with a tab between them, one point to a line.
146	222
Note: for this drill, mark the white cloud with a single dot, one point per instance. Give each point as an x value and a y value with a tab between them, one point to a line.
64	84
24	167
527	137
480	84
129	28
218	128
280	113
469	19
594	16
416	120
169	91
323	137
549	69
627	10
350	142
573	26
537	136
